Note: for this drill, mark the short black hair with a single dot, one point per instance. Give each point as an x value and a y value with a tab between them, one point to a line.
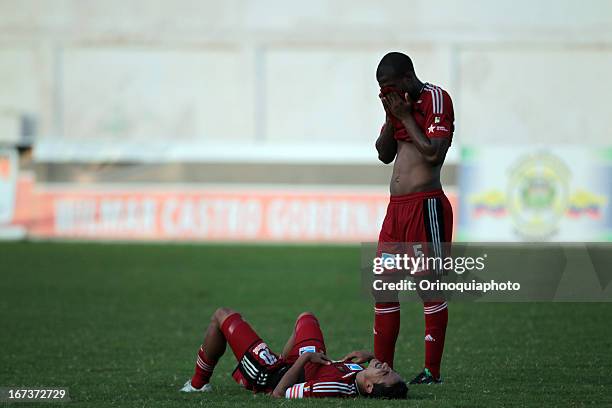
395	62
399	390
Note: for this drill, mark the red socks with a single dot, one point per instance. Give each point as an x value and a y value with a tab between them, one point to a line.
386	329
203	370
436	319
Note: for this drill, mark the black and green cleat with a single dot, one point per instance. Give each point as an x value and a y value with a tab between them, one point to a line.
425	377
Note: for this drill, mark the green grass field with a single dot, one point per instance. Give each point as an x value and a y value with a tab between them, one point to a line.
119	325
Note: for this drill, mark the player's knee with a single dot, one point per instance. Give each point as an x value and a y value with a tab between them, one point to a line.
303	314
221	314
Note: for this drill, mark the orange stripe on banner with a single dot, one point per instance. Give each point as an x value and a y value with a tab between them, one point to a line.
5	168
200	214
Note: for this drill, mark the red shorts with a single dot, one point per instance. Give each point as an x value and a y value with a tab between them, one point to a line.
425	217
259	368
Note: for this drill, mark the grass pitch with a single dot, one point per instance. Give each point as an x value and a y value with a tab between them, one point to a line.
119	325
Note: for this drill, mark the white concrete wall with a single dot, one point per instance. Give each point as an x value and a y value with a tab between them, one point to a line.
292	72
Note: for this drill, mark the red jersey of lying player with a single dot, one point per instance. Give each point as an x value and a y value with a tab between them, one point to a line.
301	371
335	380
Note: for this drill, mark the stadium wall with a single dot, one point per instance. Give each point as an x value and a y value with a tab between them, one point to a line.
296	73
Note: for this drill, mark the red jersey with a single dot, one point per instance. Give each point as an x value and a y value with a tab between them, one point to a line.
432	111
334	380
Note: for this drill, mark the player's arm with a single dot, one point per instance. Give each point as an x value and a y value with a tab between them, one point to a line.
433	149
359	356
292	375
386	145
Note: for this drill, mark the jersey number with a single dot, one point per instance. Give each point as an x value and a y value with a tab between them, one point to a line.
268	357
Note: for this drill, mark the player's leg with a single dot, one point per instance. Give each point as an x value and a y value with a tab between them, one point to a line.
212	348
253	355
386	327
438	221
258	366
387	311
306	337
288	345
386	330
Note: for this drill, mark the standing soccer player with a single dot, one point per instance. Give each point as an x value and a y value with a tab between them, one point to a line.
417	134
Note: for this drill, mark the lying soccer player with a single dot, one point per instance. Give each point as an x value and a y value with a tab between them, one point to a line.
302	370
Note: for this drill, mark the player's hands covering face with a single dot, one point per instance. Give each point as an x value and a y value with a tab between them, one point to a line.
397	106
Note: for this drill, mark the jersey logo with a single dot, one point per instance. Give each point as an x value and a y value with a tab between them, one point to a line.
260	347
437	119
263	352
430	129
307	349
353	367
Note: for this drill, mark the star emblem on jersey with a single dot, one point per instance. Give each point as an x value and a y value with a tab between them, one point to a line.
430	129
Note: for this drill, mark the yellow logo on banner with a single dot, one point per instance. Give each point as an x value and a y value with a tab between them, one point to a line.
538	194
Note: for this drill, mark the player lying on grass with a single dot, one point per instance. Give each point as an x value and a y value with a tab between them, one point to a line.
302	370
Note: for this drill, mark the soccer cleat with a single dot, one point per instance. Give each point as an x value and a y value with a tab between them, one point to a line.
190	388
425	377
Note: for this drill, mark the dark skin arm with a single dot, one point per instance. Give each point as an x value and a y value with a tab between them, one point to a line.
433	150
292	375
386	145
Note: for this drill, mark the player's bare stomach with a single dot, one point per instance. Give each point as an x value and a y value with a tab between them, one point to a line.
412	173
